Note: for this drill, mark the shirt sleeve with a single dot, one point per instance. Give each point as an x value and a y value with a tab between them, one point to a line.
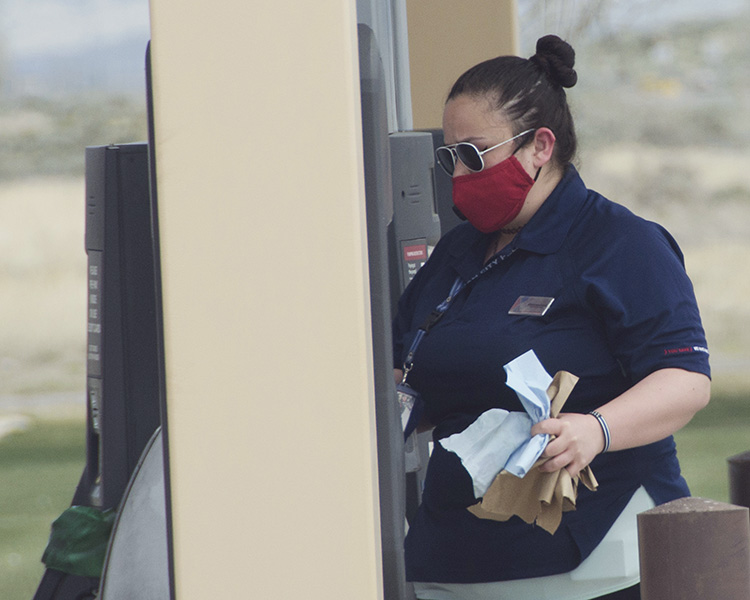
638	286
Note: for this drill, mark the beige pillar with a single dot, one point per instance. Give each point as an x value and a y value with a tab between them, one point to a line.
446	38
266	301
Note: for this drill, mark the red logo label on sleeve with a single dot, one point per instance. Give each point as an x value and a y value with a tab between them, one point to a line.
685	350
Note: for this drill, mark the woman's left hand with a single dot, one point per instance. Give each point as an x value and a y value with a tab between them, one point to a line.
577	440
654	408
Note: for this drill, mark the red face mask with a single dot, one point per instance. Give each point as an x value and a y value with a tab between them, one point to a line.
492	198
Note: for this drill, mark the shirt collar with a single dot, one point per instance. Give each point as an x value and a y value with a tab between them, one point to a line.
543	234
548	228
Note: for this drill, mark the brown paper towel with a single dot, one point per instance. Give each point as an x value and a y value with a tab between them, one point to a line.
538	497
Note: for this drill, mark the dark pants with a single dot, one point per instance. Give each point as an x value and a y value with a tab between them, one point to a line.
631	593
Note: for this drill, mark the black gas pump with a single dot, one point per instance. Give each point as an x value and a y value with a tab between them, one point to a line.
122	383
122	366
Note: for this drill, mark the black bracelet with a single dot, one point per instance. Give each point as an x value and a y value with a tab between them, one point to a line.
605	429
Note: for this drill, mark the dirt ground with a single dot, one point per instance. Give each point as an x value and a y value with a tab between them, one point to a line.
43	283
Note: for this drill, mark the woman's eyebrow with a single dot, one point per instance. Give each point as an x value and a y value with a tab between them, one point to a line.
476	139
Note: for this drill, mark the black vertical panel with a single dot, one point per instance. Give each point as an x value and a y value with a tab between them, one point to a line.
138	304
122	366
379	213
122	383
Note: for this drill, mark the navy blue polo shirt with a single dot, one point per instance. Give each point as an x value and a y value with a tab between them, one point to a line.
623	308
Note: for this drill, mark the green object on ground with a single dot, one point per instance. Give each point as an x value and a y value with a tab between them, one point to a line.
78	543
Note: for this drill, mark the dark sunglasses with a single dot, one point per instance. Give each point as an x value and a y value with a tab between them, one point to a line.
468	154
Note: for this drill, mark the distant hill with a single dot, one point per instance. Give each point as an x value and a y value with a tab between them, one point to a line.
117	68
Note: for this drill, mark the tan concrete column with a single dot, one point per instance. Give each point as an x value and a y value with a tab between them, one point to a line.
446	38
266	306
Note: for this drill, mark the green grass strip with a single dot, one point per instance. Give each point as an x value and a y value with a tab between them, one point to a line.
39	471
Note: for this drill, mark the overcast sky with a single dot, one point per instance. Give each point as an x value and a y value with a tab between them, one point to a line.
37	26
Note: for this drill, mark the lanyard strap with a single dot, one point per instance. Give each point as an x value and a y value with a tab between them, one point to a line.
441	308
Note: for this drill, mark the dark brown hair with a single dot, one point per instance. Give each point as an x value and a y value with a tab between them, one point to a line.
530	91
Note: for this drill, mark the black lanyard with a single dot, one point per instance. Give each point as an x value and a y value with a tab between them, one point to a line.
441	309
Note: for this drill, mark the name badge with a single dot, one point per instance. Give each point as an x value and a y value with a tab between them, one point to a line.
534	306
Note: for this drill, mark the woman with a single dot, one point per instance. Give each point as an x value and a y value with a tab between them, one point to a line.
610	303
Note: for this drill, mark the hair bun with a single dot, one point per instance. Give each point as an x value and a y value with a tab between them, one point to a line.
555	57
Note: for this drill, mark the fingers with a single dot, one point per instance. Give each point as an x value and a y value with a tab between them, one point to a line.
548	426
567	460
571	446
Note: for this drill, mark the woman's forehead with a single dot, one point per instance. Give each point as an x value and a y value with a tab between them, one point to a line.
471	118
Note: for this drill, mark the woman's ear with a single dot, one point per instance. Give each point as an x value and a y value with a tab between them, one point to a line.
544	146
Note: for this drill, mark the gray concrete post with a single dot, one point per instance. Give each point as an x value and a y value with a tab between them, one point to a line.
695	548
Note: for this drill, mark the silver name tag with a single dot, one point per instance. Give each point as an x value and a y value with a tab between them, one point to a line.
531	305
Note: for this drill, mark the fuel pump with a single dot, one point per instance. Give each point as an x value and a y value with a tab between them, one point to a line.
122	382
